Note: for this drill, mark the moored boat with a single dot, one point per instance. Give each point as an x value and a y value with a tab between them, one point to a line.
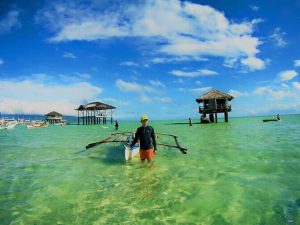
7	124
37	125
270	120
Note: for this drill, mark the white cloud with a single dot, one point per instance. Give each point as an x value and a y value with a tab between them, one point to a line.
161	60
164	99
34	96
296	85
278	37
77	77
83	75
200	90
197	73
208	72
274	94
157	83
129	63
287	75
297	63
1	62
198	82
278	95
10	21
284	85
260	90
253	63
181	89
254	7
144	98
230	62
178	81
132	87
69	55
237	94
180	29
114	101
274	107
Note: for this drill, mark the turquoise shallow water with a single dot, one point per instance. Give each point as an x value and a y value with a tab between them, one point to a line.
241	172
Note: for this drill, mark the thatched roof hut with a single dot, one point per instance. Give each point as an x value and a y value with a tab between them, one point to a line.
53	114
214	102
94	112
95	106
214	94
54	118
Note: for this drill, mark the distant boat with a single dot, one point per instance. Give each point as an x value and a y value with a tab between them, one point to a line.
7	124
37	125
270	120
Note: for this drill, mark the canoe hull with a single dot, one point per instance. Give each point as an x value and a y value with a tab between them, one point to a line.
270	120
131	153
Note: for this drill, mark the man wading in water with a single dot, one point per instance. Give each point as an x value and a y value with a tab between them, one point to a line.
145	134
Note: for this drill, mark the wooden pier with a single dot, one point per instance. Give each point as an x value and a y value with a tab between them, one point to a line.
95	113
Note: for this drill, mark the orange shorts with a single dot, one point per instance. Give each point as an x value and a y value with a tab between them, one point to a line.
147	154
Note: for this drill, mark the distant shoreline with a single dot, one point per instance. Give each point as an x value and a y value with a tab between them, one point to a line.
72	120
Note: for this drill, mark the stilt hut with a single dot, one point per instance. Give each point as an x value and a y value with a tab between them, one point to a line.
214	102
94	112
54	117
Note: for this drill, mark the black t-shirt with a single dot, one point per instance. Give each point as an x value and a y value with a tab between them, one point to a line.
146	136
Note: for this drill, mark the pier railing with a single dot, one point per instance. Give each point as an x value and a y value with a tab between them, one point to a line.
214	109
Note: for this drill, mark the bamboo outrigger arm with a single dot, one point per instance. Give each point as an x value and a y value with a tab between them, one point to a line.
183	150
108	140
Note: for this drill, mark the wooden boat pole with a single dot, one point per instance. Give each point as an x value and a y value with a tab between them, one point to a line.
183	150
100	142
166	134
106	140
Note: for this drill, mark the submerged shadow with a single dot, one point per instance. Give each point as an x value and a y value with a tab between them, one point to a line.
181	123
109	155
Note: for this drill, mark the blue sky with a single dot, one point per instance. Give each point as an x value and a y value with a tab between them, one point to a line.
149	57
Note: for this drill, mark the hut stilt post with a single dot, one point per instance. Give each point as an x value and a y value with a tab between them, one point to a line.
78	118
226	116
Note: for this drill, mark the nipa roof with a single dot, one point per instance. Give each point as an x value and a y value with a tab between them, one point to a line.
95	106
53	113
214	94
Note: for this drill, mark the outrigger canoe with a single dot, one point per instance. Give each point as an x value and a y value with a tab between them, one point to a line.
270	120
131	153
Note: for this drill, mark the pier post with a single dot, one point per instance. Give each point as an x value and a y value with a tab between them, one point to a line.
211	118
83	118
78	118
226	116
216	117
94	117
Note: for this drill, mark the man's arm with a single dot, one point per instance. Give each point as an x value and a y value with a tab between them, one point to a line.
136	138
